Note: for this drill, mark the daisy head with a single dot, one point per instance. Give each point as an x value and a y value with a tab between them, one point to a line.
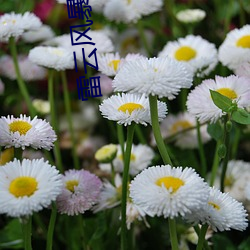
28	186
183	127
191	15
26	132
200	103
169	192
110	195
110	63
42	34
197	53
156	76
221	212
130	11
80	192
29	71
128	108
51	57
14	25
235	49
141	157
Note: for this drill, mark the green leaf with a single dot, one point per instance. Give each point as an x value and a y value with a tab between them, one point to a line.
222	102
215	130
11	236
241	116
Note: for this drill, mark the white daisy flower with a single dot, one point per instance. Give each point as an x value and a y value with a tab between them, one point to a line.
55	58
169	192
156	76
235	49
197	53
130	11
42	106
191	15
42	34
128	108
141	157
221	212
243	69
200	103
110	195
174	124
133	213
236	179
28	186
110	63
26	132
14	25
29	71
247	191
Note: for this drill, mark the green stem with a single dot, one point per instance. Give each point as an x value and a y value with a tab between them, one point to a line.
156	130
21	84
242	14
18	153
141	29
203	169
53	120
140	135
205	244
27	229
127	155
226	158
202	235
173	235
236	142
82	226
215	164
120	136
50	233
69	118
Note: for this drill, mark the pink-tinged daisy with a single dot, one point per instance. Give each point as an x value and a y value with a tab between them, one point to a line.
29	71
169	192
26	132
221	212
80	192
200	103
156	76
235	49
197	53
28	186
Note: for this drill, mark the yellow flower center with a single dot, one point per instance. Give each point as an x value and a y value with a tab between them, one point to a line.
129	1
114	64
170	182
20	126
6	156
70	185
227	92
23	186
185	53
229	181
214	205
57	52
244	42
132	157
180	125
130	107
